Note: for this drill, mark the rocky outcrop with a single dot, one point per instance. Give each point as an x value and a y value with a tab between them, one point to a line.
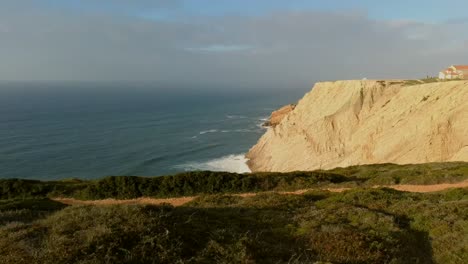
278	115
347	123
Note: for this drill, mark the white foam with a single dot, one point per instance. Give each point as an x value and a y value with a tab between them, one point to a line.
226	131
244	130
208	131
261	124
236	116
231	163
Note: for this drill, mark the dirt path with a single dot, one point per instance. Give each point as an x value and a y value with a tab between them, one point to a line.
143	200
183	200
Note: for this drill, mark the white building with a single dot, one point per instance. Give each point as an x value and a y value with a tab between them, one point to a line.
454	72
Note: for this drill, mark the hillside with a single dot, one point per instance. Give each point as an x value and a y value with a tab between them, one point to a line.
221	223
346	123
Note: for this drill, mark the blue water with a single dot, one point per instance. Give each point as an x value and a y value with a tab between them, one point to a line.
83	130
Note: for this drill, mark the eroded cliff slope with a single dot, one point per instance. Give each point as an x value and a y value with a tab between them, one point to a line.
364	122
278	115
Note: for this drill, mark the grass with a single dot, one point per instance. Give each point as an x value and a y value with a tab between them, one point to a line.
363	225
359	226
427	80
387	174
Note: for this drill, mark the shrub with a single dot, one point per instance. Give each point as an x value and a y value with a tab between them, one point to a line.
207	182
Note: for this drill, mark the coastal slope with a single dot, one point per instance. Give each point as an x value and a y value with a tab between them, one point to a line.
278	115
344	123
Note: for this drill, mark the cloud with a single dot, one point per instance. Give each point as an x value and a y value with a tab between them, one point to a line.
288	49
220	48
459	20
130	5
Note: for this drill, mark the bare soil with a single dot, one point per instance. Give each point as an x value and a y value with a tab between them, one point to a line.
183	200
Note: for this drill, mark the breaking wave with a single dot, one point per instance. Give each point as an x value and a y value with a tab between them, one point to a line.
208	131
236	116
226	131
232	163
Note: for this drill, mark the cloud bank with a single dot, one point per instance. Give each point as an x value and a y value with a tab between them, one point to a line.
278	49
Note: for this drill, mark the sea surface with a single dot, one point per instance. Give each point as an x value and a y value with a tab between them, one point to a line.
83	130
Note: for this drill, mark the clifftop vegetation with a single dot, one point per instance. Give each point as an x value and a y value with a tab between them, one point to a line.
362	225
208	182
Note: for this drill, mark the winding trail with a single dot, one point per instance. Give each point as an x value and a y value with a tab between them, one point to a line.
178	201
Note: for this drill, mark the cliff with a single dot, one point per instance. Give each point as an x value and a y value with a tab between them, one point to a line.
278	115
346	123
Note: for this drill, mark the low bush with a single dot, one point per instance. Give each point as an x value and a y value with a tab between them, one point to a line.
184	184
359	226
207	182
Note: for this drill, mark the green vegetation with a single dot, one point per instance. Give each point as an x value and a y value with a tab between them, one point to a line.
359	226
386	174
428	79
185	184
363	225
206	182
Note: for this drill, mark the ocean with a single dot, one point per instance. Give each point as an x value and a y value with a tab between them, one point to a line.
54	131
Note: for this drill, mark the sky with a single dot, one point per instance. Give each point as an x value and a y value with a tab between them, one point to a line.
224	43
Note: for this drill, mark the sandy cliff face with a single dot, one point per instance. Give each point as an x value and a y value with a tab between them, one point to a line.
347	123
278	115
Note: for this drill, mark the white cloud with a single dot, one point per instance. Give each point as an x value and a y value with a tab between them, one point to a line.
289	48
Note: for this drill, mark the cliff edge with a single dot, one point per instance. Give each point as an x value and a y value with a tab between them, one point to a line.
345	123
278	115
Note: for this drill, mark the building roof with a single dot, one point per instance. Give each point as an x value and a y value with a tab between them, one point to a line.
461	67
448	71
456	70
